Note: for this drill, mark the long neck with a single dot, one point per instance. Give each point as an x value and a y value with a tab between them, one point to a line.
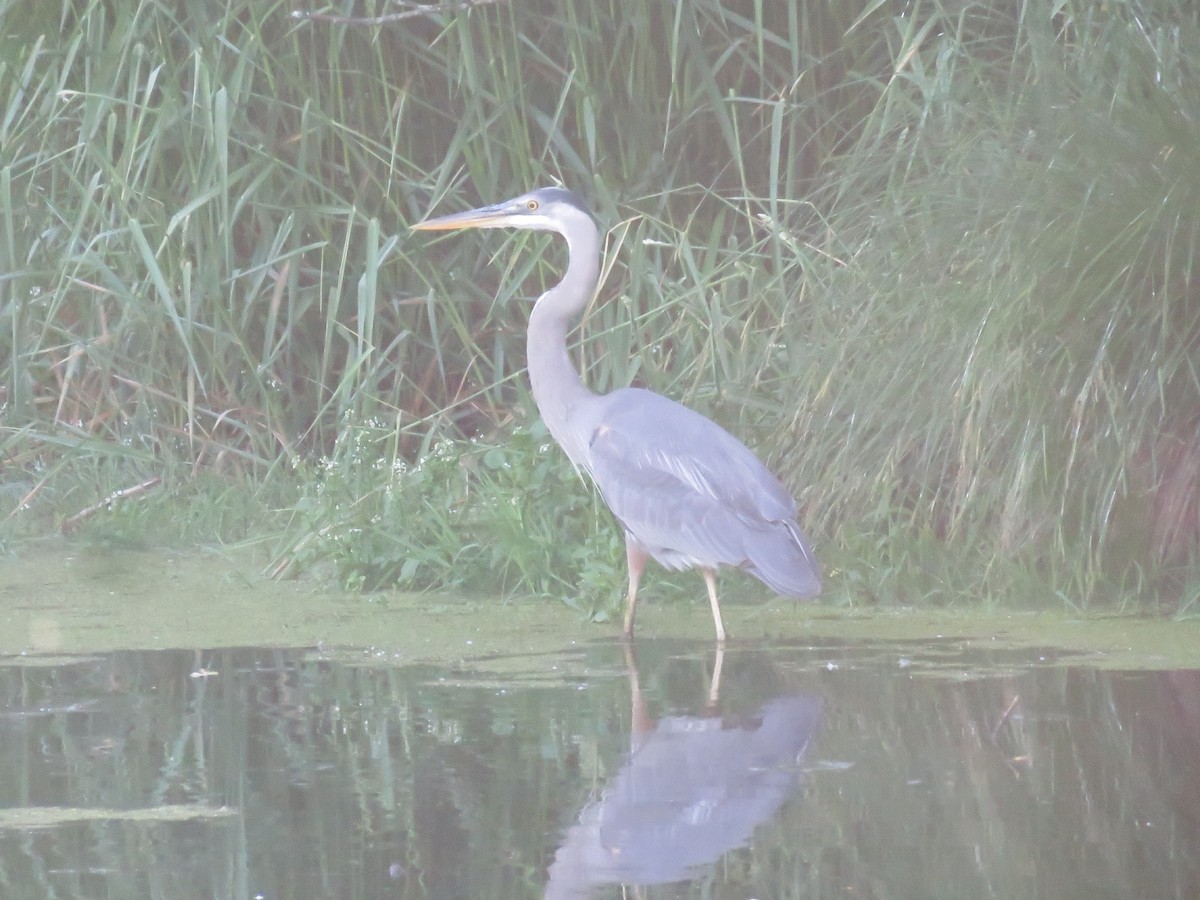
557	388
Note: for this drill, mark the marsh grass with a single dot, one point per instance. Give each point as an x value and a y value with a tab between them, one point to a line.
936	262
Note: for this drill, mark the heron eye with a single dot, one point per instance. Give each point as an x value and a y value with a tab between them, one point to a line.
531	205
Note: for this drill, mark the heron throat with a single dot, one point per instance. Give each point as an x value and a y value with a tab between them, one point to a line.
561	396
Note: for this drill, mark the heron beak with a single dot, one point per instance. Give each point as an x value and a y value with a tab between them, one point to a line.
484	217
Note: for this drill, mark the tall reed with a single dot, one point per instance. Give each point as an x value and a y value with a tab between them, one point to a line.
935	261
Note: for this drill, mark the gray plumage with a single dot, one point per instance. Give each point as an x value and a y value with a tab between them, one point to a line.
688	493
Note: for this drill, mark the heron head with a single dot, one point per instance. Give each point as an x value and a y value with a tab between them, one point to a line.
546	209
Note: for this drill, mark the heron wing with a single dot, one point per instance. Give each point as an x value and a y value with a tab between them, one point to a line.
684	487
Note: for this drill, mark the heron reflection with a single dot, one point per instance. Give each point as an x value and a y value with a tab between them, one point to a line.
692	789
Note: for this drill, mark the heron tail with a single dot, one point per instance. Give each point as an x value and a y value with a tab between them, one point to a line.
781	558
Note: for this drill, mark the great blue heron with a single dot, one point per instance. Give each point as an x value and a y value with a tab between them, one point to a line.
686	491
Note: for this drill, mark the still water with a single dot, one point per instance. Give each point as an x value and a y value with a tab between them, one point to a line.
863	769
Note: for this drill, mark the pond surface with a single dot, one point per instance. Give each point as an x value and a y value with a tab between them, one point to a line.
572	765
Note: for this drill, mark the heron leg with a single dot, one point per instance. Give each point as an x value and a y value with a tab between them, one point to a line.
636	557
710	579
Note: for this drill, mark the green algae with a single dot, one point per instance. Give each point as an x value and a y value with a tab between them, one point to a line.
73	599
25	817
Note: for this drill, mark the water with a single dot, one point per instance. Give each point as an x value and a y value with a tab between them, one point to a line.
178	727
834	767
